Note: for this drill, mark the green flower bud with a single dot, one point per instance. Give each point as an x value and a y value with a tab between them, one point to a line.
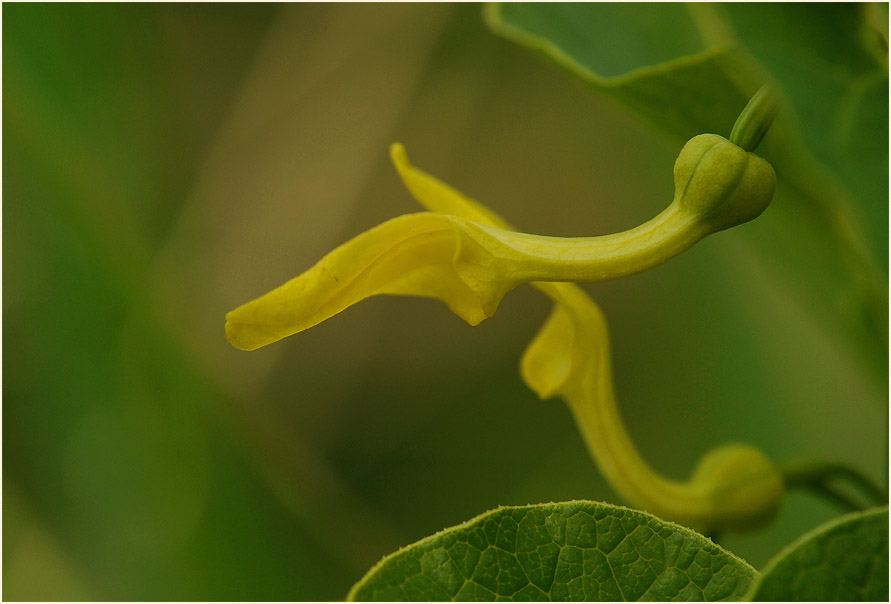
720	183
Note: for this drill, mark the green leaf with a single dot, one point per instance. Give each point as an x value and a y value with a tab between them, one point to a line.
577	550
648	56
843	560
690	69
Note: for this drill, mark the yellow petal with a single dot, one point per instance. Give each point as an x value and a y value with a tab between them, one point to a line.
424	254
553	364
547	362
439	197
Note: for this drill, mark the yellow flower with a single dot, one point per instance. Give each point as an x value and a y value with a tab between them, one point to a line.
466	255
471	262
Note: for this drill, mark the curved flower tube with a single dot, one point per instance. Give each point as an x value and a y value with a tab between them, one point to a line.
733	487
470	264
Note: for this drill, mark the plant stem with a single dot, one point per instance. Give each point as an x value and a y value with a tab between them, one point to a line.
817	476
755	119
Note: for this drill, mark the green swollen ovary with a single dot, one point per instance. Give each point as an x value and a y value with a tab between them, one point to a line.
720	183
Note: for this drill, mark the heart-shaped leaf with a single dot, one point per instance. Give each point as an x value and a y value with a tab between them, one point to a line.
578	550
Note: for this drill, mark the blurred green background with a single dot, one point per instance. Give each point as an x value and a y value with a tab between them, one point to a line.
163	164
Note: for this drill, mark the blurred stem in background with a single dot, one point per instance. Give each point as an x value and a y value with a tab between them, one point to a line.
825	479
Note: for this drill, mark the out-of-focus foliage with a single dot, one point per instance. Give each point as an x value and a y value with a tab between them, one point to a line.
164	163
845	560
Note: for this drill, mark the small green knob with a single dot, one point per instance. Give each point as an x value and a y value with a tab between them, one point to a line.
745	488
720	183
